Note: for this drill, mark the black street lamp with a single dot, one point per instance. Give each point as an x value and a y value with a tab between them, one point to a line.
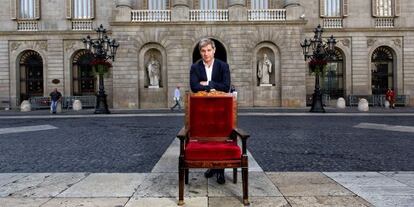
102	48
317	60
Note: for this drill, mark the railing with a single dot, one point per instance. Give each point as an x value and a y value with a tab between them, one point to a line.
28	25
332	22
266	14
209	15
43	102
82	25
384	22
377	100
150	15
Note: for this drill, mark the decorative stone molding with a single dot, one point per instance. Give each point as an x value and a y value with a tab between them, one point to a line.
34	45
15	45
397	42
345	42
371	42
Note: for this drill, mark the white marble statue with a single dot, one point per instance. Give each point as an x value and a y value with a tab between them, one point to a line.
153	69
264	70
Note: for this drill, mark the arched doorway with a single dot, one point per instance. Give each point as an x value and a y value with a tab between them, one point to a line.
83	77
31	75
382	70
220	54
332	82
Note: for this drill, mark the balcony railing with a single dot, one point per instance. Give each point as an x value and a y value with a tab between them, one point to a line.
150	15
266	14
209	15
82	25
332	22
384	22
28	25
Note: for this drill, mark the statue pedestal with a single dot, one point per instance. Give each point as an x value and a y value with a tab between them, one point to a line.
266	84
153	86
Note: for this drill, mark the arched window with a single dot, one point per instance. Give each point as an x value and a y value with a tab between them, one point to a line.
382	70
333	78
31	75
84	80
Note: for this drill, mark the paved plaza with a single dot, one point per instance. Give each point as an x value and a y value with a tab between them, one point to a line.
130	158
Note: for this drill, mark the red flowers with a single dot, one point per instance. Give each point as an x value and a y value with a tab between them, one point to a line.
97	62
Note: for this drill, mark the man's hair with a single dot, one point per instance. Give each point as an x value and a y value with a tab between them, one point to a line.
204	42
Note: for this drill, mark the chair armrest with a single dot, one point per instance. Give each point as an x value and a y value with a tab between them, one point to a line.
241	133
182	134
243	136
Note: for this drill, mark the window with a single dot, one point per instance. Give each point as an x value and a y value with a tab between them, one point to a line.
83	77
382	68
31	75
333	79
385	8
157	5
80	9
259	4
208	4
25	9
333	8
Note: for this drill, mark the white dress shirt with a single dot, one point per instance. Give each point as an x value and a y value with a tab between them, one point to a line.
209	70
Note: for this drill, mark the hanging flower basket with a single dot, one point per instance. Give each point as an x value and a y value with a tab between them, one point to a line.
317	66
101	66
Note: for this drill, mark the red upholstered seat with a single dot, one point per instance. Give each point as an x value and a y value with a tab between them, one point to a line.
212	151
209	138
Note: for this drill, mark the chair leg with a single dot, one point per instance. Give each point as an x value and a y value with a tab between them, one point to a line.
181	175
234	175
186	176
245	179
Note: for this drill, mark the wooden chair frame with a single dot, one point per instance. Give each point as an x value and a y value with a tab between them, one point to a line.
184	165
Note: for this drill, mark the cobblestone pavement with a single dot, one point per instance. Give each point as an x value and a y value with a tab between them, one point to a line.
279	143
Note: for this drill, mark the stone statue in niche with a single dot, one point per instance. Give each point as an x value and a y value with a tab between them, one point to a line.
153	68
264	70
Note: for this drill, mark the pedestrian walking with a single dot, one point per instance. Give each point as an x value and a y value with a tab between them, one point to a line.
55	97
177	98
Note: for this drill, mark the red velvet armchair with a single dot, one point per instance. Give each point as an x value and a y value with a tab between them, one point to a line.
209	138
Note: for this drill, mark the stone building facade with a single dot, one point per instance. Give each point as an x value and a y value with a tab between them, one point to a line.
40	43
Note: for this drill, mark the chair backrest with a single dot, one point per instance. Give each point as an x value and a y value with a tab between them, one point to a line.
210	116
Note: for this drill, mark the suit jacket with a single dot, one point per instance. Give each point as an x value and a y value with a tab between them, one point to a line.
220	77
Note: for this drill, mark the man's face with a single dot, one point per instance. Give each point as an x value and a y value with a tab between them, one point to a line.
207	53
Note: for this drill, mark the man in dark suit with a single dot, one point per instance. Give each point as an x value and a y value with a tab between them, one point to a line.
208	75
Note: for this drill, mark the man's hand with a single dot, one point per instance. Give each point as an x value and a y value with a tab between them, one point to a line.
204	83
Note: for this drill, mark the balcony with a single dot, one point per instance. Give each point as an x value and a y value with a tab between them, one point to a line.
82	25
384	22
209	15
27	25
266	15
150	15
333	22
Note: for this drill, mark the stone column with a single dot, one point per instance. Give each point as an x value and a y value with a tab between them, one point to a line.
180	10
122	12
294	10
237	10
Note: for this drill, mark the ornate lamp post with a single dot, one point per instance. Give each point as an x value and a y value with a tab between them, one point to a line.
102	48
322	52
